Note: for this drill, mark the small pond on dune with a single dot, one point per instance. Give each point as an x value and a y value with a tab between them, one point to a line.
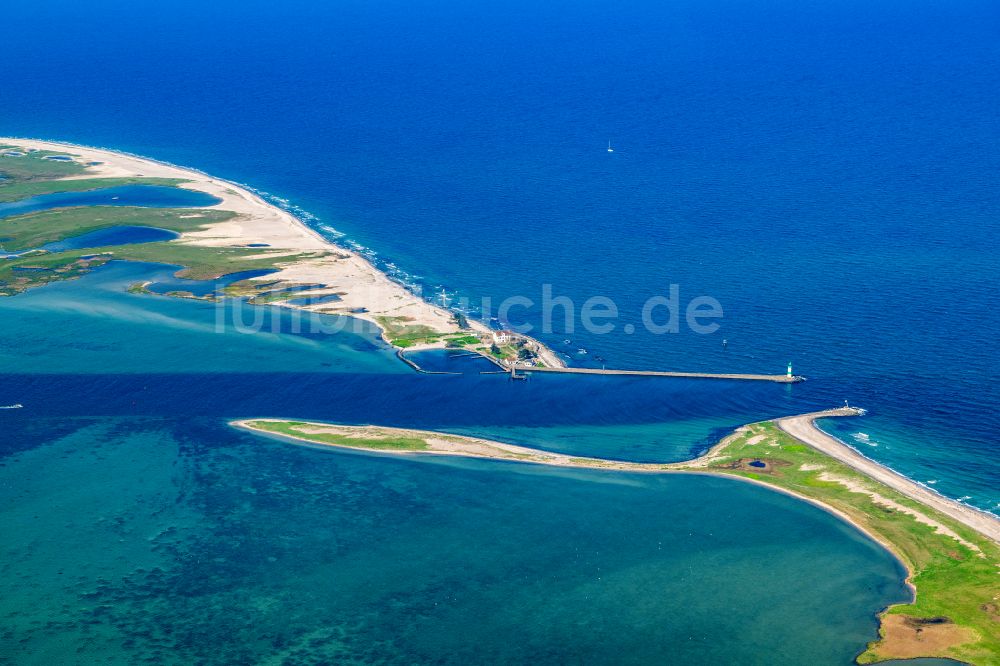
124	235
292	290
120	235
314	300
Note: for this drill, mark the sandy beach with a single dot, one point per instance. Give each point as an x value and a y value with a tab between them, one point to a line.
803	428
364	291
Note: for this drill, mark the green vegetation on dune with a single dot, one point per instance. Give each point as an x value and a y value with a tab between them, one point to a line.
263	293
35	165
402	334
250	288
14	190
26	174
399	332
22	232
955	613
34	173
390	442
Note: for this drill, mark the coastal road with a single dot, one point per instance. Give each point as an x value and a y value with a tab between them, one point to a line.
803	428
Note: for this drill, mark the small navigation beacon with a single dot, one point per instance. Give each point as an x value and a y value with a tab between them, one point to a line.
789	375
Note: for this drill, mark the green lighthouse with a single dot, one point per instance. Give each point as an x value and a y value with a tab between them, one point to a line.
789	375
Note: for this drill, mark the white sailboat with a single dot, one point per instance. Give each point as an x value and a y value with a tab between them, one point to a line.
610	149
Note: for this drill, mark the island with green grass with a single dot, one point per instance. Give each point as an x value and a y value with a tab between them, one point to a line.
951	553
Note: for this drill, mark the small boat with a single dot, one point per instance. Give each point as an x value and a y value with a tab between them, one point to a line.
567	342
115	198
610	149
11	406
581	351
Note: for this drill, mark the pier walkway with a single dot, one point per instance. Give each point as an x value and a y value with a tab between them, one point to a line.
781	379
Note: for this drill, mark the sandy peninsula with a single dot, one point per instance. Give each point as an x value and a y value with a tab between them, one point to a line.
801	427
364	291
951	552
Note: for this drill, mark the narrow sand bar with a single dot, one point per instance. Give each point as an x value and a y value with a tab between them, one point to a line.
802	427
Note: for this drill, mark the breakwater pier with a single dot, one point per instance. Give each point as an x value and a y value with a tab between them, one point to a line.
781	379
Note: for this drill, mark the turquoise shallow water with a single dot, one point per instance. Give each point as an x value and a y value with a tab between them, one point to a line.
121	235
165	541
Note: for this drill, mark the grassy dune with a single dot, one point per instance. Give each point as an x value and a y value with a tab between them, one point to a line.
403	334
34	173
18	166
387	443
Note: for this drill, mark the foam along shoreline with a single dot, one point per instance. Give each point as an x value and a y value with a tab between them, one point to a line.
950	551
364	291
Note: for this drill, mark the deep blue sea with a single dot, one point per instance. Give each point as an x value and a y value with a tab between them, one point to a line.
826	171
